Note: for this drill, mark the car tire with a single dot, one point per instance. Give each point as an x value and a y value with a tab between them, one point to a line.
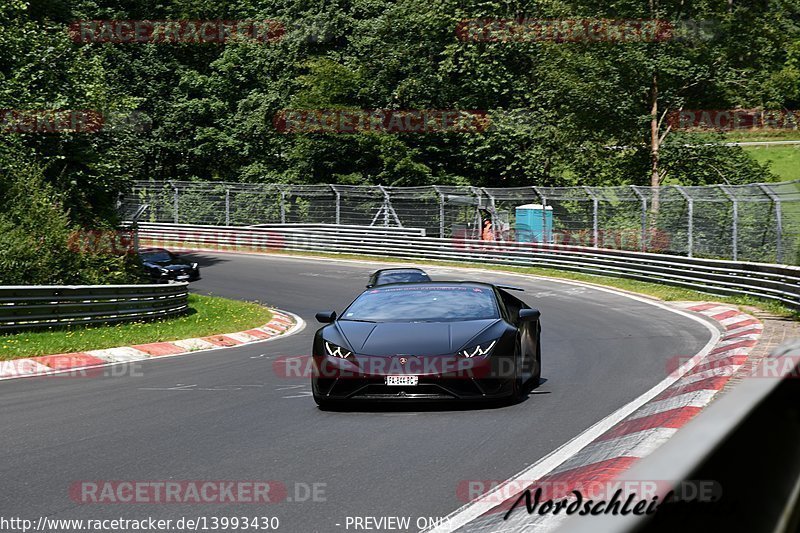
325	404
537	368
518	391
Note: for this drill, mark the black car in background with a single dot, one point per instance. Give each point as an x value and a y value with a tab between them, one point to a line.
427	341
397	275
164	266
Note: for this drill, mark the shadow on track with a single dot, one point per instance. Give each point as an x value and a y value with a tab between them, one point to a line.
203	261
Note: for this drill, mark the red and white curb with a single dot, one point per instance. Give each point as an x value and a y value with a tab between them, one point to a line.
282	324
601	454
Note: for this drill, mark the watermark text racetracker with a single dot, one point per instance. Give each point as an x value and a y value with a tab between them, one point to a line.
499	491
588	497
583	30
733	362
69	365
243	239
452	367
396	121
212	492
175	31
71	121
734	119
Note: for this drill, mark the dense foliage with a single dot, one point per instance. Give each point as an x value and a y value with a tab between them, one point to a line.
205	111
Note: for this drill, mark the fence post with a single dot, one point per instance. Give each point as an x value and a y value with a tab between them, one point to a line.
385	206
441	211
544	214
338	203
643	198
690	221
477	193
491	198
174	202
595	229
387	209
283	207
492	211
735	228
776	201
227	206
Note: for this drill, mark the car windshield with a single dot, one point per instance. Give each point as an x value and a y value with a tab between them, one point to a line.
400	277
428	303
157	257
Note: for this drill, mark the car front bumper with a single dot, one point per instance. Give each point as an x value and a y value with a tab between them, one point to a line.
480	380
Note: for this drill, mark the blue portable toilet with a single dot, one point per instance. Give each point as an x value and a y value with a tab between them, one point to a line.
534	223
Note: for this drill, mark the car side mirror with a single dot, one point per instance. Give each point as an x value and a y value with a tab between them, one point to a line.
529	315
325	317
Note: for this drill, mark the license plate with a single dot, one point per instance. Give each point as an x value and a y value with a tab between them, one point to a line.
402	380
182	277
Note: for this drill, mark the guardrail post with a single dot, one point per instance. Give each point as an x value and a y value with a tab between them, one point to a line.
690	221
643	198
595	226
735	225
776	201
227	206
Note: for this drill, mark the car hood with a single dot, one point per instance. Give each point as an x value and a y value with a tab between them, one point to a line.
413	338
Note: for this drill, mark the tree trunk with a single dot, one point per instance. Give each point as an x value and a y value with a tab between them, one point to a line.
654	142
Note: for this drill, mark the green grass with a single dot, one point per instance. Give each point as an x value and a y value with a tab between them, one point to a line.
752	135
208	315
783	161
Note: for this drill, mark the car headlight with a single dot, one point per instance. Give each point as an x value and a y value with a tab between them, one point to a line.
164	270
336	351
478	350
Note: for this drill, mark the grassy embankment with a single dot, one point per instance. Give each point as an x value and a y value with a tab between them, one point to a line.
208	315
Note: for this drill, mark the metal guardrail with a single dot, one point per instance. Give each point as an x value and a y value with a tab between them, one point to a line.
416	232
31	306
745	443
773	282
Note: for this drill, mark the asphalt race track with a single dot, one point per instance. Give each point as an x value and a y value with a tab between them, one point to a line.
226	415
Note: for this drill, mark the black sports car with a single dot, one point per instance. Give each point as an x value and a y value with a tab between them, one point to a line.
385	276
427	341
162	265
